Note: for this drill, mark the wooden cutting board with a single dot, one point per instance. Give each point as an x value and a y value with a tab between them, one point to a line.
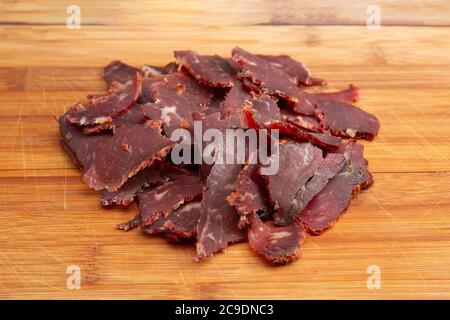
50	221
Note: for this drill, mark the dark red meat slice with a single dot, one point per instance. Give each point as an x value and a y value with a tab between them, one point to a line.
297	164
182	187
308	102
218	224
309	123
179	225
263	74
150	176
296	70
326	207
324	141
117	71
131	149
105	108
212	71
80	147
277	245
330	166
175	99
346	120
233	103
133	115
250	197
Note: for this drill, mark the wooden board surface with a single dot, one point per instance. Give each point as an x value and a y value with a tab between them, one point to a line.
49	220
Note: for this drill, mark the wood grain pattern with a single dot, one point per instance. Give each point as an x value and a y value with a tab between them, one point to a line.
49	219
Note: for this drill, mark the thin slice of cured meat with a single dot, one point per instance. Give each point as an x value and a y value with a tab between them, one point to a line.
324	141
309	123
133	115
218	224
330	166
297	163
277	245
326	207
81	148
131	149
308	101
250	197
117	71
182	187
212	71
175	99
179	225
125	195
346	120
296	70
262	73
105	108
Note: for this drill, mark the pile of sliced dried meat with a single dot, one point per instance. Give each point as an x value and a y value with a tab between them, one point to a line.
121	142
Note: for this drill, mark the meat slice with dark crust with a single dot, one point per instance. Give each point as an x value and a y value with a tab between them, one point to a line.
120	72
179	225
326	207
297	163
262	73
181	187
346	120
212	71
277	245
131	149
296	70
125	195
175	99
218	224
106	107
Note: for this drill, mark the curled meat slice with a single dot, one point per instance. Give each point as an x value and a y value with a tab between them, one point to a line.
105	108
262	73
326	207
218	224
296	70
345	120
117	71
181	187
179	225
131	149
277	245
212	71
